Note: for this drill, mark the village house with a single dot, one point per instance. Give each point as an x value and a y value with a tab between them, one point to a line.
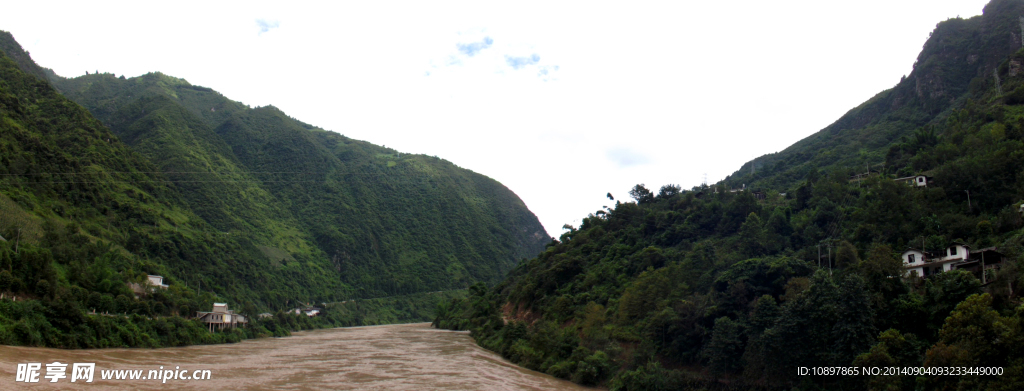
152	282
916	180
928	263
157	281
309	311
221	317
956	257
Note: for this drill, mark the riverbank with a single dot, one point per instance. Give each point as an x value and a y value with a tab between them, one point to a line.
56	324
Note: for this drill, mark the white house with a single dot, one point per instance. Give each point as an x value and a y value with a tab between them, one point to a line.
309	311
926	263
917	180
221	317
157	281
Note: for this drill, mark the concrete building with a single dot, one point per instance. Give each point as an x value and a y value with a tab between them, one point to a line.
221	317
916	180
983	263
157	281
928	263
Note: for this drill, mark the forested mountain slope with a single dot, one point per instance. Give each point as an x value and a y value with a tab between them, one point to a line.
390	223
83	216
719	289
957	62
227	203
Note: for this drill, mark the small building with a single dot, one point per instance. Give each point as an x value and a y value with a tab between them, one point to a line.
309	311
221	317
266	315
916	180
157	281
926	263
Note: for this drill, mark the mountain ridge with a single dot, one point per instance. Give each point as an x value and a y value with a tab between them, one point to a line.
956	52
154	176
802	258
264	139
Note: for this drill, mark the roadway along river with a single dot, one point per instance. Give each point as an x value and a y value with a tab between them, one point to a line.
393	357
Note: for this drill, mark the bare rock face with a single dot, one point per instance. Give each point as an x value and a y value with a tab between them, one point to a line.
1014	67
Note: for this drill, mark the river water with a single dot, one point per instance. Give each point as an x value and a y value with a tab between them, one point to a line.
393	357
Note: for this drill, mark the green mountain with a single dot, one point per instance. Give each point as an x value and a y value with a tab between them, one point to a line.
151	175
957	63
715	288
387	223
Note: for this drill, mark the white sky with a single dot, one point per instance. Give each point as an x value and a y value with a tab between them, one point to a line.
568	101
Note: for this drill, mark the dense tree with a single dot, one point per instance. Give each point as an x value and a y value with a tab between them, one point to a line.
640	194
807	272
725	349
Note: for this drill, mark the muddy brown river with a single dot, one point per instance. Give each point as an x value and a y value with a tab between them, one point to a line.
393	357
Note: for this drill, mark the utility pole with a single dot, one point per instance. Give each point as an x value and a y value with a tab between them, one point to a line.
983	268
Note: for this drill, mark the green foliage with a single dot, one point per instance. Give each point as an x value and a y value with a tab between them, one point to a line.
707	286
640	194
228	204
726	346
374	220
917	123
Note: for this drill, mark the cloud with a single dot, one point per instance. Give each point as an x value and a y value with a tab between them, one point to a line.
521	62
266	25
471	49
625	157
545	70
